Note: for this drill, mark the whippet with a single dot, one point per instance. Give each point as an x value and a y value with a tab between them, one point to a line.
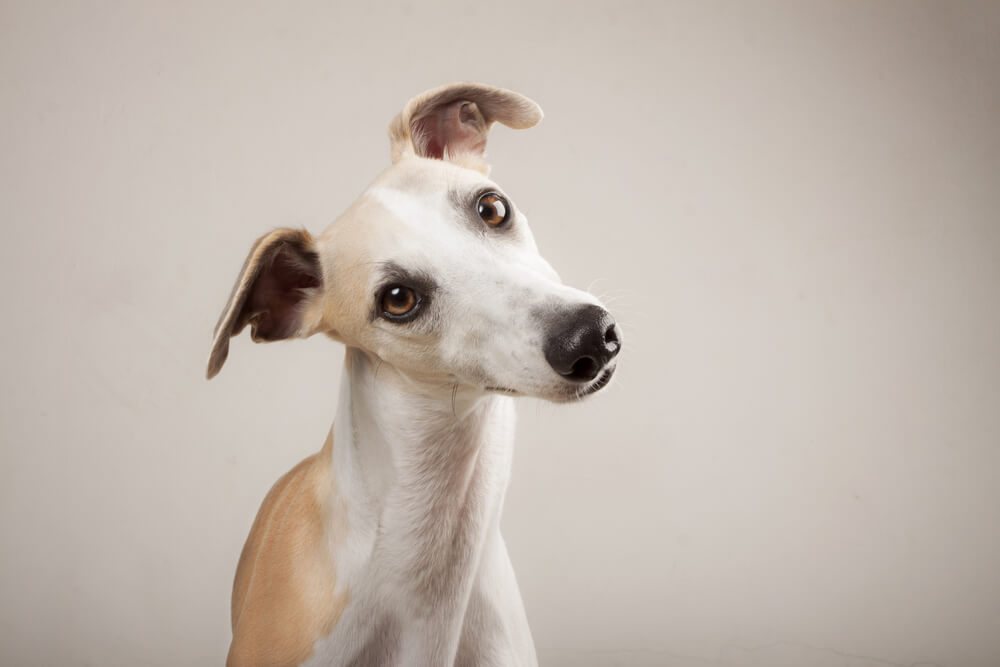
384	548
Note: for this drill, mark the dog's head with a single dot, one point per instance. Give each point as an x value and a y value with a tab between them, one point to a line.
433	270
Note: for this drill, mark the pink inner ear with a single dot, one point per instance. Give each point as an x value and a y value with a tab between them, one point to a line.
457	127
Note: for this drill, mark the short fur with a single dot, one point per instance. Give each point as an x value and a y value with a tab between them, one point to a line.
384	548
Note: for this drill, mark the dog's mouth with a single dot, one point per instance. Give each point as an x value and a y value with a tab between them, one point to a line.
600	383
576	394
503	390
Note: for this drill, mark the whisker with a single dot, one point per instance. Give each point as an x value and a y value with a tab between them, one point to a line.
590	287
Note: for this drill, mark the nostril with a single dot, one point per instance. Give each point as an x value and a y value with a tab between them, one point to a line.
611	336
585	368
611	340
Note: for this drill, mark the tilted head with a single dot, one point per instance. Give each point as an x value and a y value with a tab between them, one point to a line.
433	269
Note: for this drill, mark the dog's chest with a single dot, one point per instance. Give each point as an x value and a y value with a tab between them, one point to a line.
485	639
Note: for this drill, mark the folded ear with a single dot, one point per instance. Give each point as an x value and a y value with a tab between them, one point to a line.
280	279
453	120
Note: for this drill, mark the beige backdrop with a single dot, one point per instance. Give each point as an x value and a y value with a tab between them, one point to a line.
792	208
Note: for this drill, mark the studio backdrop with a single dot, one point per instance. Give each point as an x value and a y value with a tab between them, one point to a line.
791	208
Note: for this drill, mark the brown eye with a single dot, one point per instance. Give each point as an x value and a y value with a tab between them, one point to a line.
493	209
398	302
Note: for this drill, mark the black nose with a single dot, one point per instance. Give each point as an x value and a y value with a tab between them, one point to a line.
582	343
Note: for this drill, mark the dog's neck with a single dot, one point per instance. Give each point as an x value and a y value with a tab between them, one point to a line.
425	468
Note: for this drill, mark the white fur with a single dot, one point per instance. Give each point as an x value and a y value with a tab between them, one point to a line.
399	520
424	428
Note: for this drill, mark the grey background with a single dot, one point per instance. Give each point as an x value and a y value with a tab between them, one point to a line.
791	207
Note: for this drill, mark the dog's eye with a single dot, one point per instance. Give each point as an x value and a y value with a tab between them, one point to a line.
399	302
493	209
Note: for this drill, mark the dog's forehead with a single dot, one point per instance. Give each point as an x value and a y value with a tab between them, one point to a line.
425	176
418	214
420	210
422	192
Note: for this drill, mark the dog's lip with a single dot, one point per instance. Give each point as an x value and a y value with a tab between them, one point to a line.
502	390
577	394
600	383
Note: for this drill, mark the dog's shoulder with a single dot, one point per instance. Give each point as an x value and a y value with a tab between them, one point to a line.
284	595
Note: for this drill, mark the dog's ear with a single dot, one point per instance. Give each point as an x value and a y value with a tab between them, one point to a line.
453	121
280	279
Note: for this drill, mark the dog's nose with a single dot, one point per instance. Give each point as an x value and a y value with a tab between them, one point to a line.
583	343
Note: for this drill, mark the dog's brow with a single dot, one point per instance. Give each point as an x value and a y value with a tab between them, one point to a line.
391	272
459	199
400	203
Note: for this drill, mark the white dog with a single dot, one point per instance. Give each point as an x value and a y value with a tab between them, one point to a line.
384	548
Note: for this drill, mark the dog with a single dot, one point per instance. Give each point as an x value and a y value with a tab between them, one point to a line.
384	547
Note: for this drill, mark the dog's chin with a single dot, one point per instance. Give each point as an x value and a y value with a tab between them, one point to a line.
567	393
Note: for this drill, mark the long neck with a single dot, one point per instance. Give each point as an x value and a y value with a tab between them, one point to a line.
424	468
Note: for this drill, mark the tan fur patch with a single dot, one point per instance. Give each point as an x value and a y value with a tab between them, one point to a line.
284	595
